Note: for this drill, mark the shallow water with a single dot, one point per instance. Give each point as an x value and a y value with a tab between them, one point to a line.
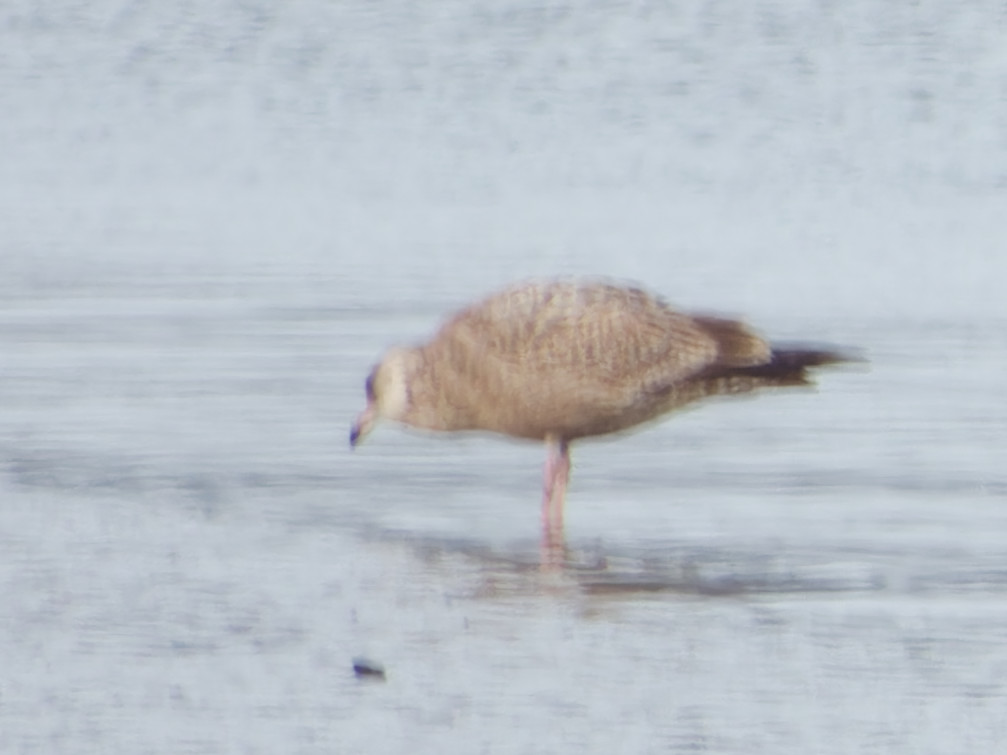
212	224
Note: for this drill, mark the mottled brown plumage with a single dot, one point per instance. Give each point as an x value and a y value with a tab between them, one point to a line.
563	360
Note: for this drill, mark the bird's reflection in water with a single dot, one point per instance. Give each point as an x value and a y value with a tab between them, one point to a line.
601	569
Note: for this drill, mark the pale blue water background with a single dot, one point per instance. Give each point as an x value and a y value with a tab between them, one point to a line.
215	216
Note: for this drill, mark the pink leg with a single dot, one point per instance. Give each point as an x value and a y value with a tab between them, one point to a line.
557	475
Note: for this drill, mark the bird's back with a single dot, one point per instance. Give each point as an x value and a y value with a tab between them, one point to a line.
571	359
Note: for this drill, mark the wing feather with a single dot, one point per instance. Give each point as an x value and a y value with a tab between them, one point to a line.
568	356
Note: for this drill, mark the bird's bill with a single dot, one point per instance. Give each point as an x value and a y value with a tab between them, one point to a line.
363	426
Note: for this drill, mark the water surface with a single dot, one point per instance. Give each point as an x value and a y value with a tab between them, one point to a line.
214	220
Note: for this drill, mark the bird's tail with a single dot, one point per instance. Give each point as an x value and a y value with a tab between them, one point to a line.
789	365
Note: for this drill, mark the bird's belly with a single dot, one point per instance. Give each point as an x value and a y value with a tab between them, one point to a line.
568	420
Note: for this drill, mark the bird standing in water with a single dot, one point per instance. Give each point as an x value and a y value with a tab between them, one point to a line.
560	360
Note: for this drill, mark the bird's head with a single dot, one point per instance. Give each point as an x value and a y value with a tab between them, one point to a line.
387	390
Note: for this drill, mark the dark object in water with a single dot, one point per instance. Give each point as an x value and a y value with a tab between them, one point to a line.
365	668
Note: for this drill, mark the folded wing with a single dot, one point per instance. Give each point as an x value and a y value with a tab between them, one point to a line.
574	359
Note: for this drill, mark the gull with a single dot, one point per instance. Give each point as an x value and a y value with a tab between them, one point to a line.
561	360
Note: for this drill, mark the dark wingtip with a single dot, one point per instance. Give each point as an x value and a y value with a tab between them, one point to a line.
789	364
798	356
